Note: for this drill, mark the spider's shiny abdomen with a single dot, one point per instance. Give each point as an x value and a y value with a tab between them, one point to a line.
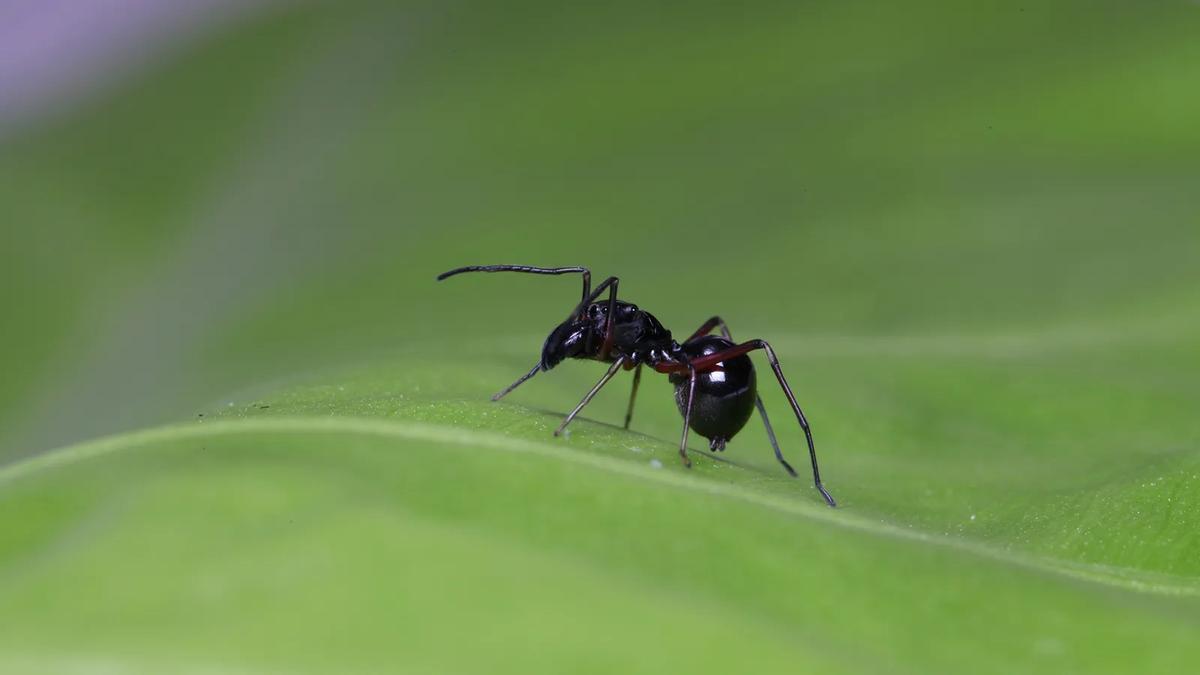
724	398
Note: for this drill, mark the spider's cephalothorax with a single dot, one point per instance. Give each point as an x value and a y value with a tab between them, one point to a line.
637	336
715	383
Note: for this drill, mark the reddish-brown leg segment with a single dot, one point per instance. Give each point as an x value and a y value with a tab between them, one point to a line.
709	362
610	284
707	328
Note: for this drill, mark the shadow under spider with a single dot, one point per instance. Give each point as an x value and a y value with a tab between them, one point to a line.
707	453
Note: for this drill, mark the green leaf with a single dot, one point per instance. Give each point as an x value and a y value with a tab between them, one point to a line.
371	521
969	231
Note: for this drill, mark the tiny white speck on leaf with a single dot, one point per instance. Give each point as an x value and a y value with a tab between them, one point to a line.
972	516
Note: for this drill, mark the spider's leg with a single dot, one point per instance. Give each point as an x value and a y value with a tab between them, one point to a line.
637	378
612	370
705	362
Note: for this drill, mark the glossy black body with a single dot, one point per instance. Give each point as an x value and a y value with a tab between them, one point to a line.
724	398
714	378
637	336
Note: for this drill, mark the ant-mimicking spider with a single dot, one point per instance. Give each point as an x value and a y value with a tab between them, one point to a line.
715	384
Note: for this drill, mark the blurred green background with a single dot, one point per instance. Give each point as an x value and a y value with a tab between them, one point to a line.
972	232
